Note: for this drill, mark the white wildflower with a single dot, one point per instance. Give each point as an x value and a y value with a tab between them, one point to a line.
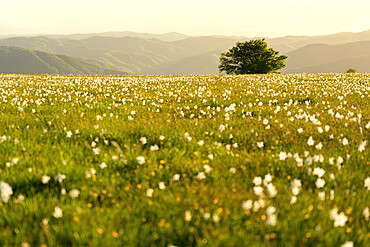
319	146
188	215
347	244
247	205
310	141
258	190
321	195
267	179
362	146
257	181
293	200
45	179
271	189
215	218
74	193
60	178
260	144
96	151
232	170
89	173
318	172
58	212
345	141
176	177
161	185
69	134
367	183
102	165
201	176
154	148
270	210
149	192
5	191
282	155
339	219
256	206
366	213
331	161
140	160
143	140
206	216
271	220
340	160
15	161
207	168
320	183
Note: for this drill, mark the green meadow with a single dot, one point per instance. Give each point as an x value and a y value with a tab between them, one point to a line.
257	160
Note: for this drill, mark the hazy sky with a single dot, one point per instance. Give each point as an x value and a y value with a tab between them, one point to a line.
270	18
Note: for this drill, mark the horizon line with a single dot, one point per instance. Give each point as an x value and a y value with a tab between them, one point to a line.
176	32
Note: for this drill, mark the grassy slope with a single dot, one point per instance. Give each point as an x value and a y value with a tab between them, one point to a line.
19	60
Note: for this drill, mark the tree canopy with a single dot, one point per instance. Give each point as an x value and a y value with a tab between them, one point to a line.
251	57
351	70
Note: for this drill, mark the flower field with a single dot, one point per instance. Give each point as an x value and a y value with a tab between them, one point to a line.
259	160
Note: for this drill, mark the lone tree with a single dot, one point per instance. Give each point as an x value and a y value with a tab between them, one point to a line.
351	70
251	57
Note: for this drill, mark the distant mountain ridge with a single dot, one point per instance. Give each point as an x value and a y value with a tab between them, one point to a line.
171	36
295	42
175	53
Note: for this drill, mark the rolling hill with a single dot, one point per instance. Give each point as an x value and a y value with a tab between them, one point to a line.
197	65
110	53
25	61
329	58
362	64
